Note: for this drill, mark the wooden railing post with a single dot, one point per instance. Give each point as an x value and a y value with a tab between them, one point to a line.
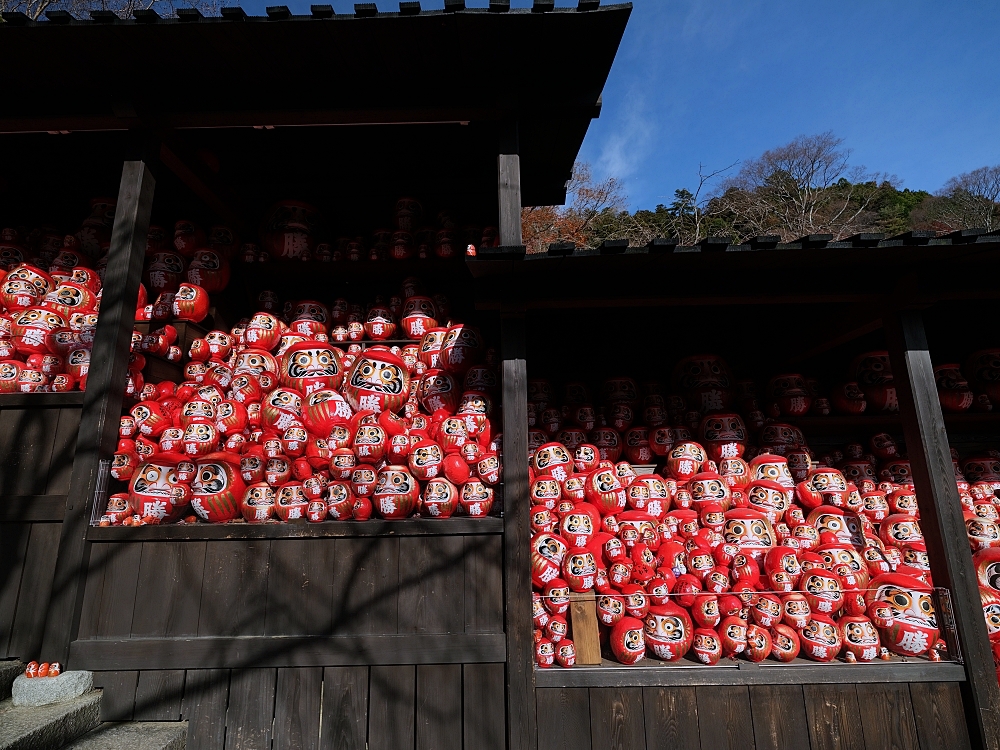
941	514
102	403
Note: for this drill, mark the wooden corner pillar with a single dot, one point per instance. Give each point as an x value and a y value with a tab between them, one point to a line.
941	515
520	677
102	402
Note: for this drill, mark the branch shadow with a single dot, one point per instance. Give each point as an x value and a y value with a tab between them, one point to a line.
313	588
371	590
37	449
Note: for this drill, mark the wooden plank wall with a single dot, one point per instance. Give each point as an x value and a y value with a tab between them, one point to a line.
914	716
424	706
36	461
282	587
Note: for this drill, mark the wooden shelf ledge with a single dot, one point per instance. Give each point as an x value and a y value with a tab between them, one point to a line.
73	398
650	673
236	531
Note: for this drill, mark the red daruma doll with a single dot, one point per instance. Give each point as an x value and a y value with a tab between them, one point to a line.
476	499
311	366
554	459
669	632
902	609
217	487
685	460
191	303
628	640
419	316
396	493
461	349
32	328
724	435
378	381
151	487
440	499
258	503
437	390
289	230
603	490
579	568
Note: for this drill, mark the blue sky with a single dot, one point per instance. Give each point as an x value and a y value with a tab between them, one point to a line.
911	86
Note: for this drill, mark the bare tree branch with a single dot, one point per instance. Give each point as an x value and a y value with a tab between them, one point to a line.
968	201
124	8
804	187
807	186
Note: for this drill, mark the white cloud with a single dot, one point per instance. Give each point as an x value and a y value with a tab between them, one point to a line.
625	149
719	22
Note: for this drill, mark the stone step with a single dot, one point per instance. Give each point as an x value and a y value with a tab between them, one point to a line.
48	727
134	735
41	691
9	669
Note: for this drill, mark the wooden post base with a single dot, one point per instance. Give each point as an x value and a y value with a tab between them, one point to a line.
583	619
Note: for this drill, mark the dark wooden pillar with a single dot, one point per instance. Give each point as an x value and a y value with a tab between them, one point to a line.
517	535
102	403
520	679
941	514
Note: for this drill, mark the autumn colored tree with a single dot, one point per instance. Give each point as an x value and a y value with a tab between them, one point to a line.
807	186
587	200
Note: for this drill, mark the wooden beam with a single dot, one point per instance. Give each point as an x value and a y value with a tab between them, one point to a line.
478	266
941	513
450	116
189	169
74	398
23	508
540	303
286	651
838	334
652	673
102	402
517	535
